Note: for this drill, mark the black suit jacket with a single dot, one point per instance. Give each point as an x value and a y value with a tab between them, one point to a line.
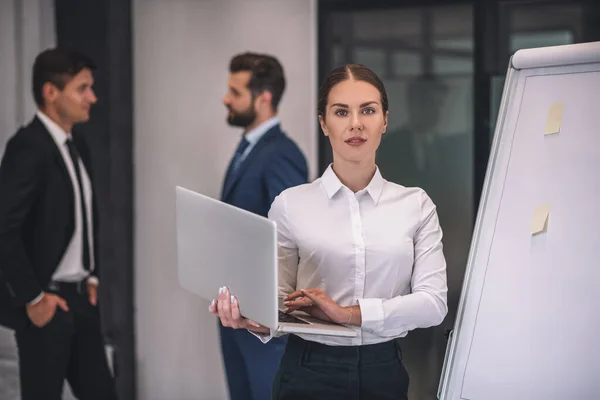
37	217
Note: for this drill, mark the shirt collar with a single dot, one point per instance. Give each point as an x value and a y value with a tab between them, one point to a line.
57	133
332	184
254	135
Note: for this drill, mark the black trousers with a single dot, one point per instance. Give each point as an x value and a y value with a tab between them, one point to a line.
310	370
69	347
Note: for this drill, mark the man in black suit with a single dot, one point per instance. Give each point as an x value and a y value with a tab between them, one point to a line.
48	232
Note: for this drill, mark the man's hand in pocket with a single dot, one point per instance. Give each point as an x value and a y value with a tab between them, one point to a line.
43	311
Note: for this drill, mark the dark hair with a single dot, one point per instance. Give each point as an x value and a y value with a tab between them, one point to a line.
266	74
357	72
57	66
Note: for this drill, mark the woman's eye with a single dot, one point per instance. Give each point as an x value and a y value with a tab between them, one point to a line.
368	111
341	113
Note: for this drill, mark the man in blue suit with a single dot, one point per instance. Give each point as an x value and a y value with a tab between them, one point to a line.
265	163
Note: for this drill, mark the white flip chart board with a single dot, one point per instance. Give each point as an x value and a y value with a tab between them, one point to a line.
528	325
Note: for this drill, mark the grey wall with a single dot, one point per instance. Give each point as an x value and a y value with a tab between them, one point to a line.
181	55
26	28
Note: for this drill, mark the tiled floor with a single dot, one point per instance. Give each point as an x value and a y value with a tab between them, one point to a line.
9	369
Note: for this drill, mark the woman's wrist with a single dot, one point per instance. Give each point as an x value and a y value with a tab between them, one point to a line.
352	316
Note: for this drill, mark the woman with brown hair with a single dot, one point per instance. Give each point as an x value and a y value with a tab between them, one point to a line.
368	252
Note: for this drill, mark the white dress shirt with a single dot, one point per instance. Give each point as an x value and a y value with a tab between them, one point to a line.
380	248
71	267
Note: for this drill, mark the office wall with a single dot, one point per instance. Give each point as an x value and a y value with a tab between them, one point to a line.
182	49
26	28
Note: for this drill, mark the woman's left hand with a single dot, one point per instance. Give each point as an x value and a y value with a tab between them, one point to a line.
316	303
226	307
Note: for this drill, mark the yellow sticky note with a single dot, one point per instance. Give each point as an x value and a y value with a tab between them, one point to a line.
554	121
539	224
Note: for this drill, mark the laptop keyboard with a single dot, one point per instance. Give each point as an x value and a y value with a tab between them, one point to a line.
283	317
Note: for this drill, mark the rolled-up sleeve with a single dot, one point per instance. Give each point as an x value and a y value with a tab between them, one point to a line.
426	305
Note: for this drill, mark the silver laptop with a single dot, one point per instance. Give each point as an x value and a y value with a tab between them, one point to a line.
222	245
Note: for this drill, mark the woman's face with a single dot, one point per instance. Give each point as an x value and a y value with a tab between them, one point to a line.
354	121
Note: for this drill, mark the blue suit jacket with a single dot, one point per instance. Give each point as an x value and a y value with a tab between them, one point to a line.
274	164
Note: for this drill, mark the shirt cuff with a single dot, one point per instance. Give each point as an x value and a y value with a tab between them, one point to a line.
263	337
92	280
36	300
371	311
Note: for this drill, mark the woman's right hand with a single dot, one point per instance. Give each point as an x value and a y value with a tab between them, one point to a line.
226	307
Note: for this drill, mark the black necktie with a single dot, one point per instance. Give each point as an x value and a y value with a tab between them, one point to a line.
86	242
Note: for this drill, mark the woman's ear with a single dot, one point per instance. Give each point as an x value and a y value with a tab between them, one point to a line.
385	121
323	126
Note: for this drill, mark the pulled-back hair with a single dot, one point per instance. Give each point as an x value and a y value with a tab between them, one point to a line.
357	72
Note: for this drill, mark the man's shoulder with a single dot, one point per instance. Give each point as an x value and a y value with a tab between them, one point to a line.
32	135
283	144
33	131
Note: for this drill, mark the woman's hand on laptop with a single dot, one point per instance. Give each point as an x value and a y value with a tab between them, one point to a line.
317	303
226	307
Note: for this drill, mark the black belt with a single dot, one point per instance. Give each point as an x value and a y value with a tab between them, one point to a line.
60	286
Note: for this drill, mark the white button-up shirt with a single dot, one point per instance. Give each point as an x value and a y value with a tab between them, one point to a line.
380	248
71	268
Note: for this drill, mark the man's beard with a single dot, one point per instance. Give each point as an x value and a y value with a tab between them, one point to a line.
242	119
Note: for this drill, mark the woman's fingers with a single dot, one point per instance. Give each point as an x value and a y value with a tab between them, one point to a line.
237	320
227	308
294	295
252	323
213	306
302	293
224	306
299	302
235	309
313	297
